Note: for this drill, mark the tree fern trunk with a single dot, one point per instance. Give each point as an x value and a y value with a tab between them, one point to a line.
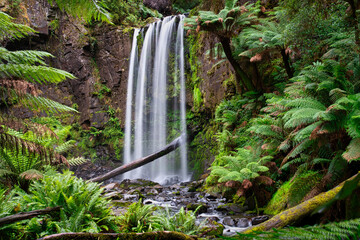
239	72
286	61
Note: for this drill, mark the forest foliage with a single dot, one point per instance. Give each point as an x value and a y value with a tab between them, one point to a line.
294	120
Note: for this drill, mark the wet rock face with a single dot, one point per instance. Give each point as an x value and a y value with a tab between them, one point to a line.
98	59
37	14
162	6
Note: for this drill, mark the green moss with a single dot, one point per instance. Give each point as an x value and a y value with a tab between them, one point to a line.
292	192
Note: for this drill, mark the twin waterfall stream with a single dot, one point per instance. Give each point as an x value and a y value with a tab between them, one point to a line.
155	105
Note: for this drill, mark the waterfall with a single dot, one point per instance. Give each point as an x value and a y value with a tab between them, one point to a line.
155	105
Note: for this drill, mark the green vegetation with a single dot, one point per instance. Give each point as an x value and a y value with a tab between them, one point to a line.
289	132
143	218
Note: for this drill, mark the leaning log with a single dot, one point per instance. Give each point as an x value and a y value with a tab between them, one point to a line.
129	236
140	162
291	215
26	215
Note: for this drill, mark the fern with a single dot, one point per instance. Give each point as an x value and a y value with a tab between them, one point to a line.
244	165
35	74
87	9
8	29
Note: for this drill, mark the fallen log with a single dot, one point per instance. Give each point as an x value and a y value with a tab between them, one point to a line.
140	162
129	236
26	215
291	215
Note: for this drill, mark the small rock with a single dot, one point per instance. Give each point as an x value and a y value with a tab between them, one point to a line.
237	208
243	223
212	229
129	196
111	186
229	221
152	191
259	219
200	207
113	195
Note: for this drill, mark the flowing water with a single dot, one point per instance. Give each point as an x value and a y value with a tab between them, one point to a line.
155	106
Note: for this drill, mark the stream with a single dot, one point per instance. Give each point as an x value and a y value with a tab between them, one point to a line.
172	195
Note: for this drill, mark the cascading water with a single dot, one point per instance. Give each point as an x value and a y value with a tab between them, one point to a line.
155	105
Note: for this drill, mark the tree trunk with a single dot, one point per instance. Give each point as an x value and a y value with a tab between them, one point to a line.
129	236
140	162
26	215
239	72
296	213
286	61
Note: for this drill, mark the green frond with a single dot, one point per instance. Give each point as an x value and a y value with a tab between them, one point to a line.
352	151
45	104
23	57
65	147
301	116
31	174
306	132
34	74
299	148
306	103
9	30
77	161
86	9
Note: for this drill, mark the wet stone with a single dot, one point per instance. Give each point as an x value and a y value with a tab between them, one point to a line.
113	195
201	208
259	219
229	221
243	223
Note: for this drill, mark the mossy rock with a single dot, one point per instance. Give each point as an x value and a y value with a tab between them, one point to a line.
292	192
213	229
200	207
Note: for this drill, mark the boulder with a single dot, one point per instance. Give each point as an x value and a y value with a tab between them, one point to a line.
228	221
162	6
243	223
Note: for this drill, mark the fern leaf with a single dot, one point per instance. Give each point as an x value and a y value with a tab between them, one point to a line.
31	174
34	74
353	150
77	161
8	29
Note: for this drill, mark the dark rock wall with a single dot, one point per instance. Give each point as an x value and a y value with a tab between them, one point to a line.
100	58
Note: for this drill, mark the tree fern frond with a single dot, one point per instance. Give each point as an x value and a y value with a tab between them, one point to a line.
22	125
45	104
23	57
18	145
301	147
77	161
301	116
306	103
34	74
8	29
353	150
31	174
86	9
66	146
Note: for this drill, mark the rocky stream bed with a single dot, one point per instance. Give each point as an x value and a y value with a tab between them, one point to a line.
219	213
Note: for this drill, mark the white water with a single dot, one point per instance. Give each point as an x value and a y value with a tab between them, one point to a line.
155	105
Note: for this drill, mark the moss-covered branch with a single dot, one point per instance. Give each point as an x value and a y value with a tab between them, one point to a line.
296	213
